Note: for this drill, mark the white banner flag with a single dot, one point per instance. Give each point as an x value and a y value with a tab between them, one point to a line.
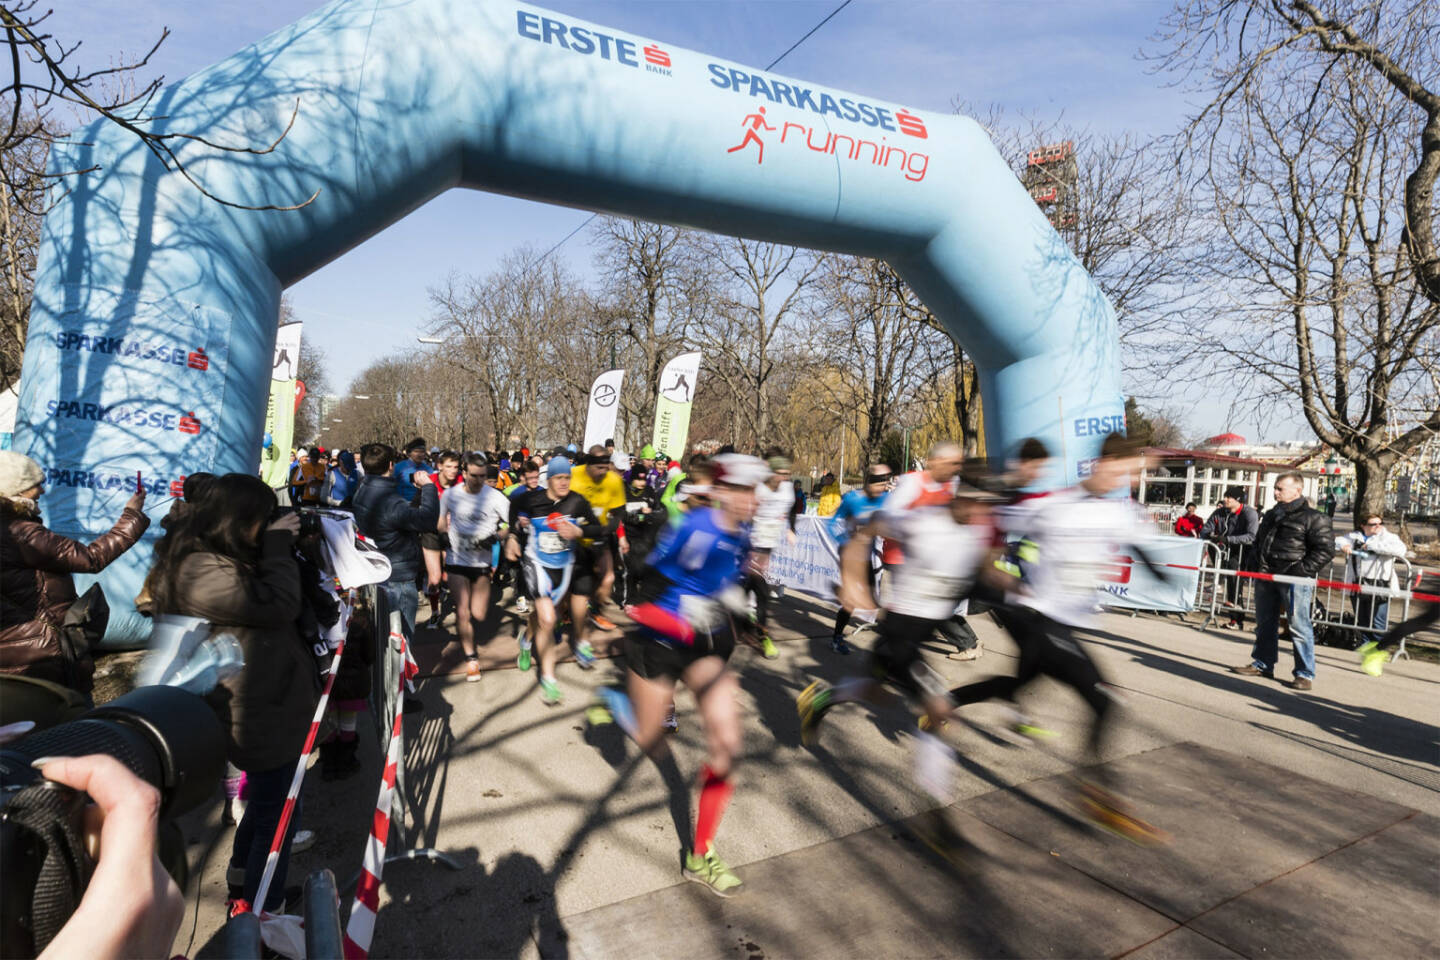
672	407
604	405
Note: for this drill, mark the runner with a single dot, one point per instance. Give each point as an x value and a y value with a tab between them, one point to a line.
936	483
594	576
433	544
855	510
644	520
508	570
774	522
946	551
685	632
474	516
551	521
1375	654
1068	541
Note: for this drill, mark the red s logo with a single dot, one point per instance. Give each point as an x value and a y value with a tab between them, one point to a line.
197	360
1117	570
188	424
657	56
911	124
177	488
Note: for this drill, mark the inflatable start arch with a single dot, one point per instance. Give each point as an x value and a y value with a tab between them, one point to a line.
155	309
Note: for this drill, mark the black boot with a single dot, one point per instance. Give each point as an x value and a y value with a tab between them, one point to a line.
328	752
347	764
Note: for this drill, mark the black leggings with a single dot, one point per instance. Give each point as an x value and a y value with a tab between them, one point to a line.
760	587
1047	648
1430	583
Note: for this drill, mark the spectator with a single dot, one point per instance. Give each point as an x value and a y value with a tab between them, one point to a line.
405	470
36	586
1232	527
1370	555
1330	503
341	480
1190	524
1294	540
829	496
307	479
231	562
395	524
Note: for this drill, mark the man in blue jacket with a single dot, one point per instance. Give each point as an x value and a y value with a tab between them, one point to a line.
395	525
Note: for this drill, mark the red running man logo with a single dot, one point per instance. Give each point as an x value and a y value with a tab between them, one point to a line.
753	122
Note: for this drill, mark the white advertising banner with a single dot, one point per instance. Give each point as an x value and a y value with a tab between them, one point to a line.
811	565
1131	585
604	405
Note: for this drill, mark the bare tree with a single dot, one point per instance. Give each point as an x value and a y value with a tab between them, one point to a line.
1234	48
22	208
867	324
654	289
1314	291
749	334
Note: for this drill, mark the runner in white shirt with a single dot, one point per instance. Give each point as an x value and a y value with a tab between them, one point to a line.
774	524
1071	539
473	515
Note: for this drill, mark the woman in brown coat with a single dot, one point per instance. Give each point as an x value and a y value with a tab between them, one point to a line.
36	582
227	561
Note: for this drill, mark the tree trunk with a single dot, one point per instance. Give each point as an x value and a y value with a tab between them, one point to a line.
1371	475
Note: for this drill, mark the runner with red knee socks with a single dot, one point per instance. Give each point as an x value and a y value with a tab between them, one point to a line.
685	633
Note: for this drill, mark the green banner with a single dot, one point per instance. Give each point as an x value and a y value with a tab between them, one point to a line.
280	409
672	406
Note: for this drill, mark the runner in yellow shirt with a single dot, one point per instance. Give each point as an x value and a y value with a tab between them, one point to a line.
594	566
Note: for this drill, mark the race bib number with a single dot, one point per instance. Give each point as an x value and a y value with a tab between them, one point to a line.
551	542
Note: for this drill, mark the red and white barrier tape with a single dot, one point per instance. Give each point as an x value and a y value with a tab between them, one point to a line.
272	859
361	927
1364	589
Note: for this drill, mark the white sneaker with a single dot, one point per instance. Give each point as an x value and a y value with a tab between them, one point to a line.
522	605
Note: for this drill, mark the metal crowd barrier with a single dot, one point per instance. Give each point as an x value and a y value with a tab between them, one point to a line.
1368	612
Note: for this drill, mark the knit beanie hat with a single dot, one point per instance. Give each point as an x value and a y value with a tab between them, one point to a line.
18	473
778	464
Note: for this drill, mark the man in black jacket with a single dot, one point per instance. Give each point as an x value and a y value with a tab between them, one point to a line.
1294	540
1233	526
395	525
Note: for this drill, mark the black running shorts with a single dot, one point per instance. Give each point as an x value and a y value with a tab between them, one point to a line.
896	655
655	658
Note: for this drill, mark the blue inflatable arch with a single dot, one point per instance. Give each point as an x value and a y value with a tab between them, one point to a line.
155	309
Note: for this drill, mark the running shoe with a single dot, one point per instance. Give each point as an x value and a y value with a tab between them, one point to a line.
602	623
767	647
839	645
1372	658
1032	731
302	841
585	655
550	692
924	723
472	669
522	606
972	653
711	871
1109	812
599	715
523	661
812	703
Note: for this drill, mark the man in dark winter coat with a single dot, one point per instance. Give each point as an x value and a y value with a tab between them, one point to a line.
1294	540
1232	527
395	524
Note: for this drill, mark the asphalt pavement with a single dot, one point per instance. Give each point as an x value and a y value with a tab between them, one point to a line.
1302	824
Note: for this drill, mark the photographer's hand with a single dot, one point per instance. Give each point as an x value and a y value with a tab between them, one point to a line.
132	908
289	522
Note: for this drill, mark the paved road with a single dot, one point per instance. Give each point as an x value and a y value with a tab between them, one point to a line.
570	846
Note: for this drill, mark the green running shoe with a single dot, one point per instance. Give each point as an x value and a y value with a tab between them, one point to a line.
550	692
711	871
1031	731
585	655
812	703
523	661
1372	658
767	647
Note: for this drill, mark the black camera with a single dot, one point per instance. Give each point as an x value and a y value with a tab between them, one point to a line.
166	736
309	519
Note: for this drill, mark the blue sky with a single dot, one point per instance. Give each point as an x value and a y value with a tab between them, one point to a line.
1026	55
